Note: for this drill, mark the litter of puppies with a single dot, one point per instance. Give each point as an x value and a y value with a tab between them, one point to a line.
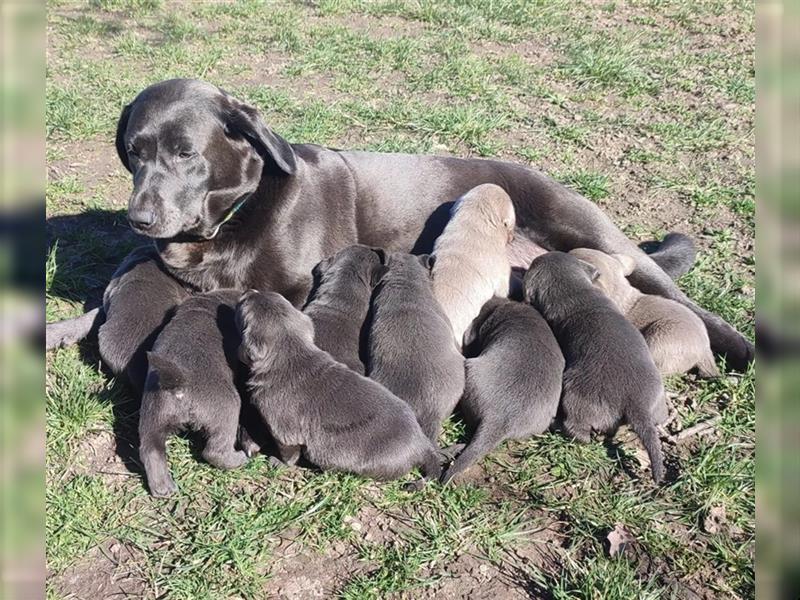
389	345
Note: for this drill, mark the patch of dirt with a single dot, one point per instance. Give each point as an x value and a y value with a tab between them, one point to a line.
299	573
107	571
96	455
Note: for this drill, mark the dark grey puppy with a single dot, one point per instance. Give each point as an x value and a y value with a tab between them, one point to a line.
609	374
411	350
513	386
191	385
313	404
138	302
339	303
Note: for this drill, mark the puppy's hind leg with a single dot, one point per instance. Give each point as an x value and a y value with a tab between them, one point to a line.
486	439
219	449
153	433
431	469
707	367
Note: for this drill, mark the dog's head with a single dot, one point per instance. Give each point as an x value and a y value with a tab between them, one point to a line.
554	276
265	321
196	153
612	270
490	204
353	263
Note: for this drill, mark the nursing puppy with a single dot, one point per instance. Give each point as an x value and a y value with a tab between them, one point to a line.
340	301
137	302
470	261
410	349
313	404
609	374
191	385
513	386
676	336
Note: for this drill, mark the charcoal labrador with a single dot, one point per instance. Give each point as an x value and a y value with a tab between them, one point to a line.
609	374
513	386
410	349
191	384
340	301
232	204
316	406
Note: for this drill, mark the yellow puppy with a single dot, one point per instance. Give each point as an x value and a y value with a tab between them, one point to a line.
470	261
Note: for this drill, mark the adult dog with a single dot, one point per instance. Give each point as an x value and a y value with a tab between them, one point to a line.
230	204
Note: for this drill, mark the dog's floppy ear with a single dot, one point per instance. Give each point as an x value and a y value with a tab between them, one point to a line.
169	376
244	120
590	270
628	264
122	126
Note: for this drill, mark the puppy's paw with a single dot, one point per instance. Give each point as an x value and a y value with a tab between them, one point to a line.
450	453
415	486
162	489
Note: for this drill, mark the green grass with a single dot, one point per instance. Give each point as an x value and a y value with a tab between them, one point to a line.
646	109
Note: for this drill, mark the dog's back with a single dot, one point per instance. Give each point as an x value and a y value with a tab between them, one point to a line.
411	350
609	373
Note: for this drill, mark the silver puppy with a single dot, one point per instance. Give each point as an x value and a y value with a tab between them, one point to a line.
316	406
411	350
191	385
609	374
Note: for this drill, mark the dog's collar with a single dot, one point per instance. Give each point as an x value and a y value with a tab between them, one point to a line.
229	216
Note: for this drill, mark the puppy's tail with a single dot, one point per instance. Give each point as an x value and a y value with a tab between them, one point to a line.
484	440
675	254
71	331
642	424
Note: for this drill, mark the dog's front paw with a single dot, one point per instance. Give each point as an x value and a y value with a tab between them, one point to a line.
162	489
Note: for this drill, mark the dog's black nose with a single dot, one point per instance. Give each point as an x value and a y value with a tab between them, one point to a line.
142	219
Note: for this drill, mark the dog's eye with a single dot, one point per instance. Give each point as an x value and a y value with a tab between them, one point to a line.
186	154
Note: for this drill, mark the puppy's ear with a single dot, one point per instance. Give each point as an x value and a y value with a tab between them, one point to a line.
169	376
381	254
590	270
378	273
427	260
628	264
244	120
122	126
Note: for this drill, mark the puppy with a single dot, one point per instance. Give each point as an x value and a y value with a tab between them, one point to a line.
137	302
339	304
677	338
191	384
609	374
470	261
410	348
315	405
513	386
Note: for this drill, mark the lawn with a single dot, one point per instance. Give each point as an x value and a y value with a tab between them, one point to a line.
646	108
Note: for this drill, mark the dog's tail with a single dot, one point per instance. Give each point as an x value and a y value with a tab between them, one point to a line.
485	439
642	423
675	254
71	331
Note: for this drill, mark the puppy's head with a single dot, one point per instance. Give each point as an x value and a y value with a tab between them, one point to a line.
476	332
355	262
555	275
611	268
490	205
265	321
196	154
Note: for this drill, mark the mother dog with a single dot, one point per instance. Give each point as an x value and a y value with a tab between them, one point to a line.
230	204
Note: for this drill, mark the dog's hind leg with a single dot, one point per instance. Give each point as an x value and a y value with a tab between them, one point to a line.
219	450
71	331
153	433
487	437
